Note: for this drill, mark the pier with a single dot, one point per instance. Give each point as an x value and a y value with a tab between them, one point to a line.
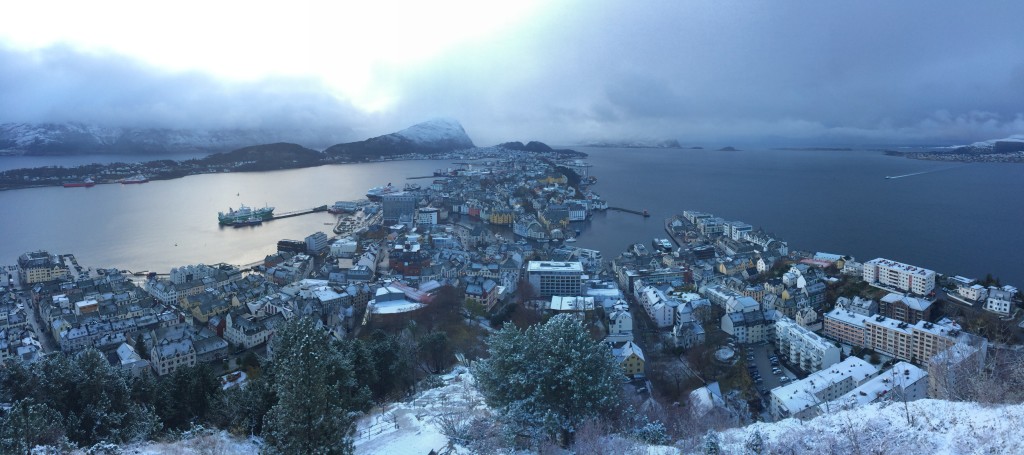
642	213
322	208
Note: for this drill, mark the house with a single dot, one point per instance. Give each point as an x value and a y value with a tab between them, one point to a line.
630	357
801	398
620	325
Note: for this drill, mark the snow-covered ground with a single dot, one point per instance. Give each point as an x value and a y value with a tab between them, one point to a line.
411	427
934	427
395	306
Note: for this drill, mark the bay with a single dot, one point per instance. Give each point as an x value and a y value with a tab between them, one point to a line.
954	218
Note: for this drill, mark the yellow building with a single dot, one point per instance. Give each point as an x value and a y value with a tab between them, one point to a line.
631	358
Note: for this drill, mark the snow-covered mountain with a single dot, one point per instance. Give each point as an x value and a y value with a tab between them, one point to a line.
78	138
1010	144
432	136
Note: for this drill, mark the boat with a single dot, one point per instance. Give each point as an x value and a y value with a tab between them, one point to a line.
376	193
87	183
253	220
135	179
243	214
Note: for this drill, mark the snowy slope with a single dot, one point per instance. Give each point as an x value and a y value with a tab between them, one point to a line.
436	131
72	138
936	427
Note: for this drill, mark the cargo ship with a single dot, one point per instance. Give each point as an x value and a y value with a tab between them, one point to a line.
135	179
87	183
243	214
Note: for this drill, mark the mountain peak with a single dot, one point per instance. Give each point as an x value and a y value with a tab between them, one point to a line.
432	136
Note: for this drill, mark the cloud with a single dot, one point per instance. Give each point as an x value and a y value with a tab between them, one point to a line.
867	72
58	84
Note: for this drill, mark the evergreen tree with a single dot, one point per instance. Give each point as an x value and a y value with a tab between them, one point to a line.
552	374
29	424
711	444
310	416
755	443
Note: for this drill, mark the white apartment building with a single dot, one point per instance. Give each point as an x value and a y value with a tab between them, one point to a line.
903	382
658	306
551	278
171	355
801	398
904	277
804	348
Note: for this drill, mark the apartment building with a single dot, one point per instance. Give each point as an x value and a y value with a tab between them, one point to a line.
551	278
890	274
801	398
804	348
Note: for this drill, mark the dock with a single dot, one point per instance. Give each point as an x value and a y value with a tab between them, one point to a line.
322	208
642	213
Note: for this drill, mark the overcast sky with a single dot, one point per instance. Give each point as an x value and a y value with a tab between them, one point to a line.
907	72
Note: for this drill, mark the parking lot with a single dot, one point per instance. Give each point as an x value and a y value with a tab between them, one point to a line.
767	373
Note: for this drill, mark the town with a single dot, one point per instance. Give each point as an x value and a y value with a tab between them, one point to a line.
719	315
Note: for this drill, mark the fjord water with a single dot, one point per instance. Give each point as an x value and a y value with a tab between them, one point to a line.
954	218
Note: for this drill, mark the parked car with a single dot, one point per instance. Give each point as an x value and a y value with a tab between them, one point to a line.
784	379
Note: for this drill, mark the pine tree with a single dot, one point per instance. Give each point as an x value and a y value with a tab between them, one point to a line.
711	444
29	424
755	443
553	374
310	377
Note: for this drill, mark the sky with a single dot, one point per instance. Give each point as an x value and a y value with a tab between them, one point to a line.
564	71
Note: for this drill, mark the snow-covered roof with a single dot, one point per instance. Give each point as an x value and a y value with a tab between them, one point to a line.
901	375
800	395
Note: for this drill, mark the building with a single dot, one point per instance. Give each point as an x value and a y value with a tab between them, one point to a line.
889	274
41	266
316	243
847	327
750	327
801	398
916	343
864	307
903	382
658	306
169	355
631	357
950	372
427	216
555	278
399	206
999	301
905	308
804	348
620	325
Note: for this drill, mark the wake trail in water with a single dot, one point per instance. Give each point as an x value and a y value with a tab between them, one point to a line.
890	177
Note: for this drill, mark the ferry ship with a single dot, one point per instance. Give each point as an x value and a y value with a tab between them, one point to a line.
87	183
253	220
376	193
135	179
243	214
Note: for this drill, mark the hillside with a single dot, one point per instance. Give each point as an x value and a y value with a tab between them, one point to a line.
934	427
433	136
79	138
280	155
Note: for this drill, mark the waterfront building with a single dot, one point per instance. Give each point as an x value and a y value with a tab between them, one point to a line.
41	266
316	243
399	206
550	278
890	274
999	301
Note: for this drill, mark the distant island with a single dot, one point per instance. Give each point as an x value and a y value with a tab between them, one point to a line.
435	139
728	149
635	144
815	149
1007	150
